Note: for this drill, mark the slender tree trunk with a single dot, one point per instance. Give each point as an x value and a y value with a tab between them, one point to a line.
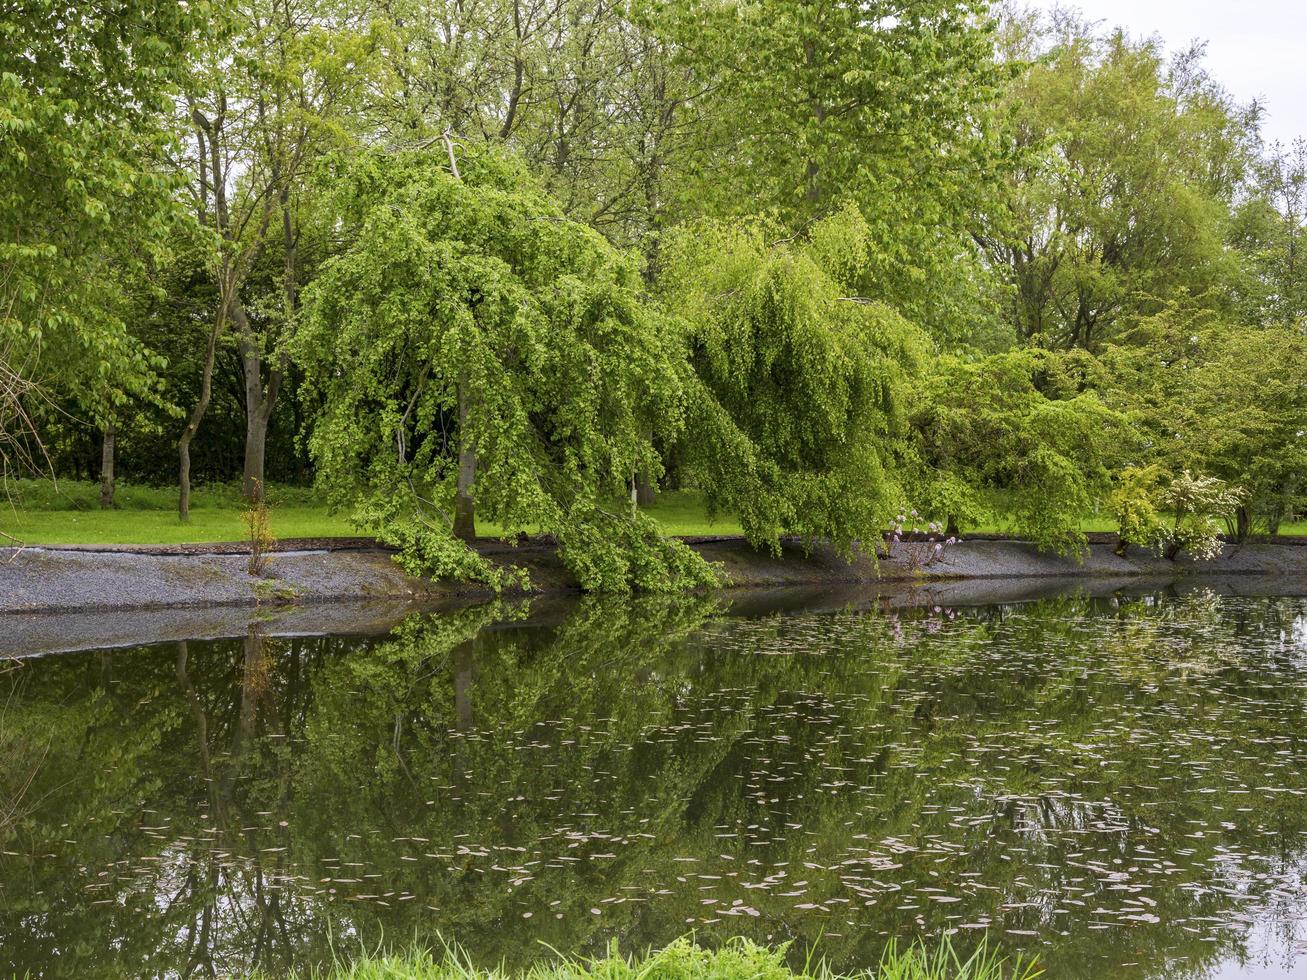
464	492
259	403
193	423
260	400
645	488
1242	524
256	421
106	468
256	441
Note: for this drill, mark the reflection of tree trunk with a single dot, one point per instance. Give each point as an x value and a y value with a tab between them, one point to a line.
106	468
254	683
464	678
197	710
199	947
464	493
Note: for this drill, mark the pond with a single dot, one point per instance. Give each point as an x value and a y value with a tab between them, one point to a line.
1118	784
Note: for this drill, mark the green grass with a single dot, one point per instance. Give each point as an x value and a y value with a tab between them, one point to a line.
161	527
41	512
683	960
682	512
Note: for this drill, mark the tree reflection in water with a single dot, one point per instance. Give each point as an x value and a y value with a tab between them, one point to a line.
1117	784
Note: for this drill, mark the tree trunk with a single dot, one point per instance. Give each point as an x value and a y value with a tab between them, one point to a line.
197	416
256	441
106	468
645	490
259	403
951	526
464	492
184	477
1242	524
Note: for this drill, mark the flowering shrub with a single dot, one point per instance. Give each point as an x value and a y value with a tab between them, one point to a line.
1167	514
934	541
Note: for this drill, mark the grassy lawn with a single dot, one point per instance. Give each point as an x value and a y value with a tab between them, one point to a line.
38	513
162	527
71	514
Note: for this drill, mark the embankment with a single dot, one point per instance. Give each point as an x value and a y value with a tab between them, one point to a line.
88	579
80	598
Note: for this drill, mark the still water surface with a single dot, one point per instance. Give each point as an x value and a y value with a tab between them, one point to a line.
1119	785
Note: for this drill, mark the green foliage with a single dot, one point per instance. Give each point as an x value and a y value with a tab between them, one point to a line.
87	204
738	959
813	187
1128	168
428	550
800	383
1222	400
1168	514
883	104
1136	504
611	552
1024	424
470	316
1267	229
1243	414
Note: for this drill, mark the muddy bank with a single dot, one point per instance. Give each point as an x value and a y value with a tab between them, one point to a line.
98	580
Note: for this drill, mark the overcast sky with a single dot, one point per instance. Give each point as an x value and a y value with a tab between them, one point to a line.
1257	49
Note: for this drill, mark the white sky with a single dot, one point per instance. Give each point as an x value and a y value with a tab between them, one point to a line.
1257	49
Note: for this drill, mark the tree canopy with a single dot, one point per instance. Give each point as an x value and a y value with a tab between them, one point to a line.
514	269
86	201
801	382
483	356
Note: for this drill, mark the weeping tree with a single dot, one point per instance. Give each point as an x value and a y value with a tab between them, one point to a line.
1020	435
798	383
480	357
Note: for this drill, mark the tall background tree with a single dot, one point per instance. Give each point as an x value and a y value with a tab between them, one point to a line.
1127	167
276	87
87	205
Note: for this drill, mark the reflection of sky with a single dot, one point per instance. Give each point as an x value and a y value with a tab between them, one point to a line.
1270	956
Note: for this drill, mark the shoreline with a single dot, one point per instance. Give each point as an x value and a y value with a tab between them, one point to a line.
96	578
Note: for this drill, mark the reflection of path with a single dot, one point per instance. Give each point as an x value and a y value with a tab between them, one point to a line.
29	634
